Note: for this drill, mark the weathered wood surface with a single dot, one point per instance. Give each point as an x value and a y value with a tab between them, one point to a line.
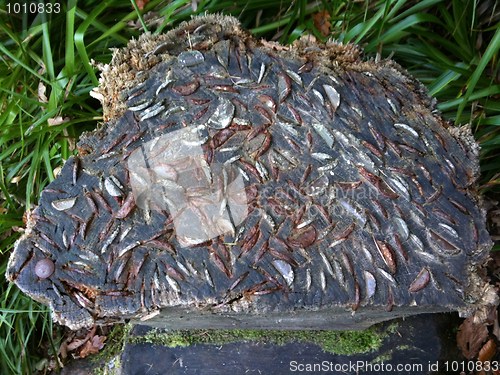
247	181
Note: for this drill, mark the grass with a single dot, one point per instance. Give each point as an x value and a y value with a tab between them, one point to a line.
46	74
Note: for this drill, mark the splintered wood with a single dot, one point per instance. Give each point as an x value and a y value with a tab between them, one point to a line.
241	183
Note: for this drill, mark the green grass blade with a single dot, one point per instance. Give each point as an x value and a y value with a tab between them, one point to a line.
490	53
80	40
139	15
69	50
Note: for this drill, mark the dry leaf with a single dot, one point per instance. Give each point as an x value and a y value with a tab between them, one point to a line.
15	179
92	346
63	349
57	120
76	343
470	337
141	3
322	22
487	351
41	93
77	339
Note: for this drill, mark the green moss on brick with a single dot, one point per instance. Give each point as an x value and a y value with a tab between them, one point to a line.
338	342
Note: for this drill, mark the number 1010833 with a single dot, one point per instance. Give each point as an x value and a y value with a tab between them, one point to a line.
32	7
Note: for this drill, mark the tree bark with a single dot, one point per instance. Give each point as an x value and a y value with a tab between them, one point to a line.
241	183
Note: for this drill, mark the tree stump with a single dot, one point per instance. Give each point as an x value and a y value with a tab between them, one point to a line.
241	183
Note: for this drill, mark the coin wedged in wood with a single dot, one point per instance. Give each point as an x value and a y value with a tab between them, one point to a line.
241	183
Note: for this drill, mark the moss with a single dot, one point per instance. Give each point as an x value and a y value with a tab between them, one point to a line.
392	327
405	347
338	342
110	356
386	357
109	368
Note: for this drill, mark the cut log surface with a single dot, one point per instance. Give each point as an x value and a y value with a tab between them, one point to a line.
241	183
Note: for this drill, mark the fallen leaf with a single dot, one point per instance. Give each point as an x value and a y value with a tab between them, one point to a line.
77	339
42	89
57	120
487	351
71	140
141	3
63	349
322	22
470	337
92	346
76	343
